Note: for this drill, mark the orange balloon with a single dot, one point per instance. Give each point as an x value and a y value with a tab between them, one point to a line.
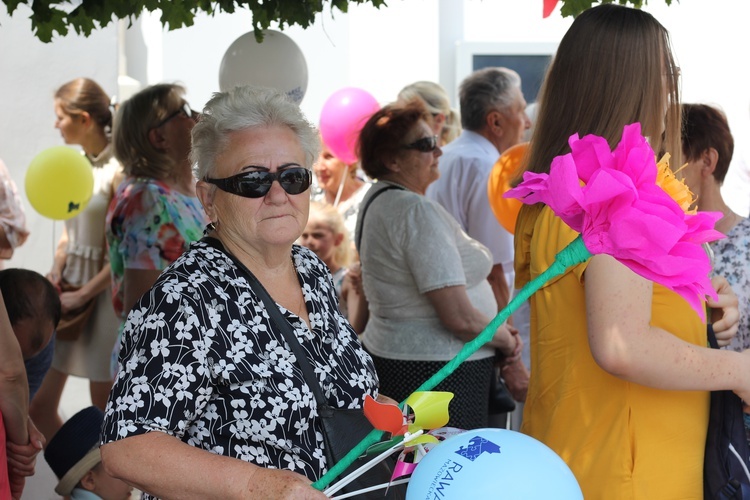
505	169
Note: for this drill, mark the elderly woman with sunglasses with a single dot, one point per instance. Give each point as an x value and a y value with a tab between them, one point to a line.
155	213
424	278
206	377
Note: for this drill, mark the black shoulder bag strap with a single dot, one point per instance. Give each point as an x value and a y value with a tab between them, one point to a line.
363	211
342	428
282	324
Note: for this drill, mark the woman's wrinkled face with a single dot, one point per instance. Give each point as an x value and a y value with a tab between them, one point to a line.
70	126
276	219
320	238
329	170
418	169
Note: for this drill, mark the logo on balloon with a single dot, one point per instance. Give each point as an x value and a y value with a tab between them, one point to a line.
277	62
477	446
471	465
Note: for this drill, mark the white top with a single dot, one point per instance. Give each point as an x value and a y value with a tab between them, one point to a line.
465	168
86	251
410	246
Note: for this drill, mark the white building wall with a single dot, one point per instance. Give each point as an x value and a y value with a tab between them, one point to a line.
30	72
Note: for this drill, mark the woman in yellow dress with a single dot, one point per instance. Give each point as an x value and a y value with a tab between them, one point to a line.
619	369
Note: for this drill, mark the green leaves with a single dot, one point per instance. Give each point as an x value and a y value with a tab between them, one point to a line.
575	7
50	17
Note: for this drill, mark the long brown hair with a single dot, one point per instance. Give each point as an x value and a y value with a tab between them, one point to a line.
613	67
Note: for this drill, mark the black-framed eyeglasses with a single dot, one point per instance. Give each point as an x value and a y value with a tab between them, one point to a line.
425	144
184	109
256	184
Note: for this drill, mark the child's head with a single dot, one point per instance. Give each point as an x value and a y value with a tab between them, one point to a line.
73	455
326	235
33	308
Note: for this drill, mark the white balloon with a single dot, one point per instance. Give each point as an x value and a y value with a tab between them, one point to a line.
277	62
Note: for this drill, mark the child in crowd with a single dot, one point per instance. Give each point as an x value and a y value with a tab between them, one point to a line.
326	235
73	455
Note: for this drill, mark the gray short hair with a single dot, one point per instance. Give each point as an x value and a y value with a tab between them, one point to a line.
242	108
484	90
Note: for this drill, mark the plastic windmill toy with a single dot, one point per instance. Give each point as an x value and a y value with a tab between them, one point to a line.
623	204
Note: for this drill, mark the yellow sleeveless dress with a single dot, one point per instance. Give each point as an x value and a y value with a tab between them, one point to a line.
621	440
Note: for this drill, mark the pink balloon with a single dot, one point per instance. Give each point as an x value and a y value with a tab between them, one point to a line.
344	114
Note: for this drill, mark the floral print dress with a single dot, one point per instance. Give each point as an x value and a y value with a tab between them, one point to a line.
202	361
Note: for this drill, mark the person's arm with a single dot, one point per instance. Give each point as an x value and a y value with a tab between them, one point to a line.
96	285
14	388
165	467
58	263
725	312
135	283
499	286
457	314
624	344
357	309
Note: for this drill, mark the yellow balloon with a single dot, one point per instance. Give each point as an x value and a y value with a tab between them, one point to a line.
59	183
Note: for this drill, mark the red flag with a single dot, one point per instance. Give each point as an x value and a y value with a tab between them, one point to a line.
549	6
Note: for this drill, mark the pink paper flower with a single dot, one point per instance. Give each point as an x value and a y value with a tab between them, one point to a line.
613	199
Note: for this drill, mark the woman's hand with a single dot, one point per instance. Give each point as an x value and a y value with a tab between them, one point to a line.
354	277
54	277
509	342
22	458
516	378
725	313
70	301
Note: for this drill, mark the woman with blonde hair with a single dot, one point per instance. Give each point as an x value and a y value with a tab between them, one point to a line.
80	269
443	120
155	214
620	372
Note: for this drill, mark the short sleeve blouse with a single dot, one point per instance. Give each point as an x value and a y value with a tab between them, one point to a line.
149	225
202	361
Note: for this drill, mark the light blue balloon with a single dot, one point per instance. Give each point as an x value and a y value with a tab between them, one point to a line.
492	463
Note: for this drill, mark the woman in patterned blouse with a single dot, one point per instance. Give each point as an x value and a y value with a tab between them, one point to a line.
209	400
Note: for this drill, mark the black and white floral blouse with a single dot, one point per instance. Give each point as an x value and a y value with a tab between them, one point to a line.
200	360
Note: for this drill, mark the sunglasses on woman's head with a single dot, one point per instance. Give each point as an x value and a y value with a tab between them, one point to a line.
184	109
425	144
256	184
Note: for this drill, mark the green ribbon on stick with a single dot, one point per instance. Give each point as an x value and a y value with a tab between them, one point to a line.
573	254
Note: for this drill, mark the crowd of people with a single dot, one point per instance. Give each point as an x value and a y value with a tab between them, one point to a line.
231	274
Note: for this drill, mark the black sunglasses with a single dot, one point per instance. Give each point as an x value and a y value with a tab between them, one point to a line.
256	184
425	144
184	109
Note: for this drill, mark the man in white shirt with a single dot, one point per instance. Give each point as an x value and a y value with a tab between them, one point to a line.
493	117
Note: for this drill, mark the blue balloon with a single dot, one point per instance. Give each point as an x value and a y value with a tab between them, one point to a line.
492	463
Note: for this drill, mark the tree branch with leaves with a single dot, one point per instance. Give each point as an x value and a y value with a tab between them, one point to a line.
50	17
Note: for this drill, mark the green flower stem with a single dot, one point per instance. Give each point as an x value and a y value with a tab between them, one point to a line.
574	253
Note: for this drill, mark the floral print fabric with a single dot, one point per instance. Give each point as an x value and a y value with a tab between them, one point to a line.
732	260
149	225
201	360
